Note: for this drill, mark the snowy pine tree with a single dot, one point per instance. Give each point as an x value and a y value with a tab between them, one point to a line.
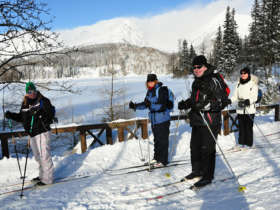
218	49
185	56
192	54
271	33
231	44
255	36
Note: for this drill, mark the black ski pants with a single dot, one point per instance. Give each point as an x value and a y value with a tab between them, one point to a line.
245	123
161	141
203	151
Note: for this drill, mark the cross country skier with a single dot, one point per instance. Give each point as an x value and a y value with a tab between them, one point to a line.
246	94
36	115
159	116
209	97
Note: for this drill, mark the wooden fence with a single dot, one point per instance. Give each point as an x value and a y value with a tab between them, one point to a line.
227	117
86	129
121	127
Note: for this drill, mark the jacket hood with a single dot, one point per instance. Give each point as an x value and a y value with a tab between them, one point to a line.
254	79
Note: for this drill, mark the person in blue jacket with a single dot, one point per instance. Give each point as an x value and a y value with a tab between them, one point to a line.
159	116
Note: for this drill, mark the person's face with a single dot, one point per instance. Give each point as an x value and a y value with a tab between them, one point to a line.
151	84
199	70
244	75
32	94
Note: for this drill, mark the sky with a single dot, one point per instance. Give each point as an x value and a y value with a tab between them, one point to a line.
73	13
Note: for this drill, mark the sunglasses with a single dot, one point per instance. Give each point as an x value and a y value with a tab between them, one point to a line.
31	92
197	67
243	73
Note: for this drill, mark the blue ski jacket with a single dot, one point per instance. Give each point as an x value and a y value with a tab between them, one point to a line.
159	112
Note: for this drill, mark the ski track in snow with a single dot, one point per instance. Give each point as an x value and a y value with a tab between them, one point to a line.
258	169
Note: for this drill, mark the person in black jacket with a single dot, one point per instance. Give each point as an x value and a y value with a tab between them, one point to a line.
36	115
208	97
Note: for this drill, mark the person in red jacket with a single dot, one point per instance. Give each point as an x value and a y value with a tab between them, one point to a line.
208	97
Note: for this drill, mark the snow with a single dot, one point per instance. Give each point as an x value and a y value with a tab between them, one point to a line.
161	31
258	169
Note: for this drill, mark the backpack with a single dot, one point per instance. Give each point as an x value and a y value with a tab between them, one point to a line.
260	94
222	82
53	117
171	97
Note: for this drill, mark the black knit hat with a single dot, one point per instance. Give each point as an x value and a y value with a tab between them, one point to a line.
151	77
200	60
245	70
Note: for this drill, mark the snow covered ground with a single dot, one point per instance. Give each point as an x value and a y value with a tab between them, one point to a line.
258	169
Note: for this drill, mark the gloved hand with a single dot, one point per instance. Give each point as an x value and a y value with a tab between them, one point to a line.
247	102
228	102
132	105
216	106
147	103
184	104
243	103
8	115
33	110
181	105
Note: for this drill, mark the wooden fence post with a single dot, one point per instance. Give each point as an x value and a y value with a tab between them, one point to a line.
83	141
144	129
109	135
121	134
5	147
226	123
277	112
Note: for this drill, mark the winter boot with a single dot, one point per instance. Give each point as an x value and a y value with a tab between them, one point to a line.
192	175
40	184
35	180
158	165
203	182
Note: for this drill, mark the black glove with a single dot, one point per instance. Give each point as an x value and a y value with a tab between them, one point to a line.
227	102
132	105
182	105
216	105
247	102
33	110
8	115
241	104
55	120
147	103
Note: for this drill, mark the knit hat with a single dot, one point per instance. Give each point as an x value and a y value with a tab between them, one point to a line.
200	60
29	86
245	70
151	77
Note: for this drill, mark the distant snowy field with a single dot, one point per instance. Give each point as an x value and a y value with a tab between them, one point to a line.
258	169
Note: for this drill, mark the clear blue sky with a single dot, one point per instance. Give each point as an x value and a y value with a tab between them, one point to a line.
72	13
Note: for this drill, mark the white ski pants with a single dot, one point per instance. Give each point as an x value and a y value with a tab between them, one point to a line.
41	148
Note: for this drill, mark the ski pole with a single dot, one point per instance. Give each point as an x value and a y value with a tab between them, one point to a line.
148	144
15	147
24	175
176	133
139	144
240	187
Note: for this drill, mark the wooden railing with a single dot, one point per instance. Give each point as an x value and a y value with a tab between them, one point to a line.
85	129
121	126
227	116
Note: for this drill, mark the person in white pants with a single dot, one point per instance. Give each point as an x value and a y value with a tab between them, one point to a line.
36	115
41	149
